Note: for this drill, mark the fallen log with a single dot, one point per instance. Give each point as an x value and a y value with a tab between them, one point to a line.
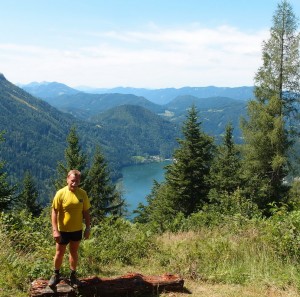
131	284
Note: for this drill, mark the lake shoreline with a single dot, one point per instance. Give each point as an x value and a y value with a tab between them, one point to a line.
137	182
146	160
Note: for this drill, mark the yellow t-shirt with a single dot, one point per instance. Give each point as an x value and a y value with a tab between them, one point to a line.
70	206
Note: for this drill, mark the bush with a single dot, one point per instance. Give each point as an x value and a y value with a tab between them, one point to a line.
282	231
114	241
26	250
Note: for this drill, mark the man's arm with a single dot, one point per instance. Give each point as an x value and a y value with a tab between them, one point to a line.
87	221
55	231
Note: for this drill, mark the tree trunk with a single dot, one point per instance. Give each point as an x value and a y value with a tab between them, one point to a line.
131	284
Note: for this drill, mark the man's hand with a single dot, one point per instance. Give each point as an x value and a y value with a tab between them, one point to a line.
56	235
87	232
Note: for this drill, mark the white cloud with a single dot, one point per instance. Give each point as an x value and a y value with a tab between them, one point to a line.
223	56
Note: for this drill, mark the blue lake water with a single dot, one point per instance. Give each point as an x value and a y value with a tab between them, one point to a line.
138	181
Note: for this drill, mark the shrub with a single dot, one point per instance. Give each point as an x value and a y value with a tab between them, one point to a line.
115	241
282	231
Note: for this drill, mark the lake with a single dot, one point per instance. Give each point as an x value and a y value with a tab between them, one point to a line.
137	182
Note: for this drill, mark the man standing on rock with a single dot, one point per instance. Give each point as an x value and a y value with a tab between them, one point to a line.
70	207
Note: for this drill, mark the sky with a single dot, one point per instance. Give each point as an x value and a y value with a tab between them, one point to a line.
135	43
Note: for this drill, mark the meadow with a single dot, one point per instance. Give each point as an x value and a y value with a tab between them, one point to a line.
214	254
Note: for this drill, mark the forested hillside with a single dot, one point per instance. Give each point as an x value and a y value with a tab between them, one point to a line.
35	136
34	132
83	105
214	113
154	131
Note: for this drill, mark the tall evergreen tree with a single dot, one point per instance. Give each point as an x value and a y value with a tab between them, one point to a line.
226	167
187	177
6	190
74	159
267	132
186	185
28	198
102	192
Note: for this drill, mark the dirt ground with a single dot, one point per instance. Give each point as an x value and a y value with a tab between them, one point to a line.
199	289
190	288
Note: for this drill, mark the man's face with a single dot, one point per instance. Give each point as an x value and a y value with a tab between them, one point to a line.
73	182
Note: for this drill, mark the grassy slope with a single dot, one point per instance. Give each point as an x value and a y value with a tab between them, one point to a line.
230	260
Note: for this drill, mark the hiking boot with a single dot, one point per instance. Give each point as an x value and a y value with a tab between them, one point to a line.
54	280
74	281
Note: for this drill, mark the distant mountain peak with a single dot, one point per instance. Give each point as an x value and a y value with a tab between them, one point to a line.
48	89
37	84
2	77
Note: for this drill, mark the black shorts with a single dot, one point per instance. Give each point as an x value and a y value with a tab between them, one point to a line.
66	237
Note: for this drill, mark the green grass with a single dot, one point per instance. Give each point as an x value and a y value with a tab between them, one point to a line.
251	256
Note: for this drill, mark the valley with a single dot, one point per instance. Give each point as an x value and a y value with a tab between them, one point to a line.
37	119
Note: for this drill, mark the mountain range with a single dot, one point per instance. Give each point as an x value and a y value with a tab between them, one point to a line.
37	118
164	96
36	132
215	108
158	96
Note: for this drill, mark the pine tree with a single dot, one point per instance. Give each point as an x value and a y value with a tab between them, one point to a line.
226	168
102	192
187	177
267	133
186	185
28	198
74	159
159	211
6	190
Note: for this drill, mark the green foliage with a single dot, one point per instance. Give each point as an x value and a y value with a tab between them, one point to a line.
283	232
115	241
187	177
204	247
28	198
280	73
234	205
137	131
267	133
159	211
294	195
234	251
95	180
89	106
74	159
230	207
38	147
6	190
103	194
13	279
215	112
225	170
29	233
26	249
264	166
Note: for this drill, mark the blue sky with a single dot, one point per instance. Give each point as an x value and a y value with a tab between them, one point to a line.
134	43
